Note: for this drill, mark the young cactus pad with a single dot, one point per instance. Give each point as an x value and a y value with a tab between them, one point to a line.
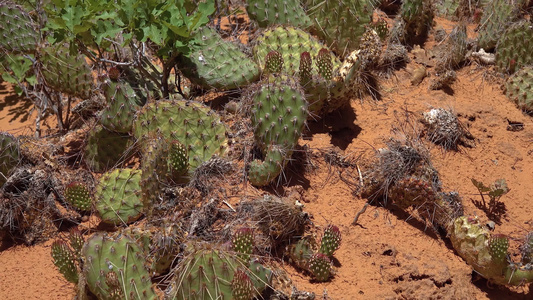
331	240
104	255
77	195
65	261
193	124
118	196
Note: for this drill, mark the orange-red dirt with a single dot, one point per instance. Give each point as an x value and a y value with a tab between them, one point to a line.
388	255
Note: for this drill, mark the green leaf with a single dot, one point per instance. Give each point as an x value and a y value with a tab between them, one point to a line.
480	186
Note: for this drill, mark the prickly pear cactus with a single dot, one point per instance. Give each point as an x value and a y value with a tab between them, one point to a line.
178	161
519	89
341	23
65	72
331	240
242	287
290	42
105	149
277	12
217	63
77	195
9	155
515	47
118	196
65	260
115	268
320	267
278	116
302	251
207	273
487	253
243	243
17	29
194	125
154	170
497	16
122	103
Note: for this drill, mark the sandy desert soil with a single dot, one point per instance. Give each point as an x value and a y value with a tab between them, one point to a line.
388	254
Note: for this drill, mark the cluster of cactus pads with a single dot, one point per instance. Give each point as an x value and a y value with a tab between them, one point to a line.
306	254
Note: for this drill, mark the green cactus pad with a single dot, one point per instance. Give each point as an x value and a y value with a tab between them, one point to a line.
118	253
118	196
18	32
290	42
178	161
414	21
341	23
331	240
154	167
320	267
105	149
242	287
278	116
193	124
302	251
66	73
65	261
122	103
273	62
217	63
519	89
76	241
77	195
277	12
9	155
497	16
243	243
515	47
207	273
498	246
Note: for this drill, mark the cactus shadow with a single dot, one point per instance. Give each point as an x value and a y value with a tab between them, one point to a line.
17	106
497	292
339	125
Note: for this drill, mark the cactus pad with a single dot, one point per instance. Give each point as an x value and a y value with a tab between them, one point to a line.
215	62
209	273
194	125
18	32
243	243
77	194
331	240
520	90
104	255
497	16
118	196
515	47
122	103
105	148
65	261
290	42
66	73
340	23
277	12
320	267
